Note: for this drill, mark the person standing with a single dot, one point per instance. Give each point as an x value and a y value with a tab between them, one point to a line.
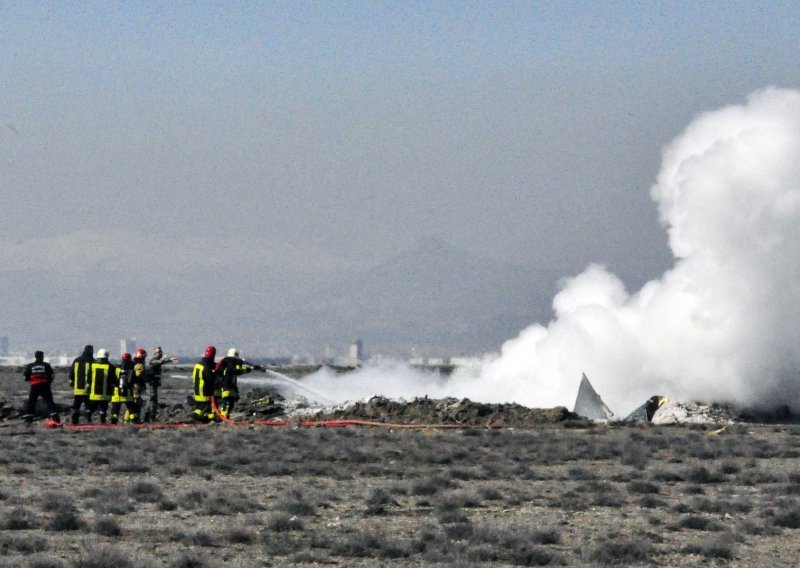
80	376
154	381
101	389
228	370
40	375
124	392
205	382
138	381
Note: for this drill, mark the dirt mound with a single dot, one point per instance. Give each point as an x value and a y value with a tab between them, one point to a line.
9	410
449	411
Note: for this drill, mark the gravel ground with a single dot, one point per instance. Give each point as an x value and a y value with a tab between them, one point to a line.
265	496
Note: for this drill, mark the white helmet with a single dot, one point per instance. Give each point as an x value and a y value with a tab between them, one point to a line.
232	352
102	354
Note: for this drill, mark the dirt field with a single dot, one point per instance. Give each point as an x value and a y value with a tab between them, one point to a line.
263	496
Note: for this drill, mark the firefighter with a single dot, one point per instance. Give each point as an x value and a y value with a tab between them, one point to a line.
104	380
138	382
124	392
80	375
154	380
40	375
205	382
228	370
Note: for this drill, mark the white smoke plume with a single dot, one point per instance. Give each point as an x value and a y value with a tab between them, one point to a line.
722	325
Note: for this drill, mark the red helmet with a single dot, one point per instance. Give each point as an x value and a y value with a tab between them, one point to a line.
126	356
140	354
210	352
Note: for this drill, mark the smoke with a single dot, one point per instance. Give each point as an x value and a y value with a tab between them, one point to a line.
721	325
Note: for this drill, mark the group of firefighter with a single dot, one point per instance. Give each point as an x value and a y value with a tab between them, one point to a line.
102	387
218	381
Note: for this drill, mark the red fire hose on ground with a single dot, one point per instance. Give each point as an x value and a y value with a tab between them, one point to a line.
342	423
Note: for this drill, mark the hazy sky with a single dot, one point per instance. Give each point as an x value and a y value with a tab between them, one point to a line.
335	134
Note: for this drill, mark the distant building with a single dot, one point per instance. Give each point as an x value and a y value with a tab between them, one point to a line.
355	354
465	361
128	346
4	346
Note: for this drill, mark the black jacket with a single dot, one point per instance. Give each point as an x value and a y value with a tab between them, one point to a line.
80	374
38	373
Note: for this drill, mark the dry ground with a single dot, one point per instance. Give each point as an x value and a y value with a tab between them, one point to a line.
258	496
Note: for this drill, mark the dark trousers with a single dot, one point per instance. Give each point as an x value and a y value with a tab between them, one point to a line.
130	406
102	406
228	403
203	411
77	401
152	405
41	390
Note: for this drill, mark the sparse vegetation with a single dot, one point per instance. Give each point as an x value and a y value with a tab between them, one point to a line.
201	496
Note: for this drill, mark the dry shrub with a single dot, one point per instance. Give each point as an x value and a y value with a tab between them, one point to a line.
580	473
283	522
623	551
490	493
296	506
665	475
635	454
721	546
238	535
602	494
107	557
380	496
188	560
167	505
698	523
130	467
107	526
54	500
430	486
44	561
721	506
202	538
228	502
788	519
701	474
652	502
66	520
109	501
369	544
570	501
19	519
534	556
643	487
22	544
460	529
145	491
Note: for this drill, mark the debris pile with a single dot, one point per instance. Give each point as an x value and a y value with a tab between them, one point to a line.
448	411
8	410
693	413
265	403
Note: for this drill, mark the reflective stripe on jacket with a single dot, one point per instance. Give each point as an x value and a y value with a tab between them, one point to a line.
104	381
204	381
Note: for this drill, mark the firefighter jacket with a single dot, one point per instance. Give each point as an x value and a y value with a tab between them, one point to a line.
104	380
38	373
205	380
228	371
138	377
124	391
80	374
